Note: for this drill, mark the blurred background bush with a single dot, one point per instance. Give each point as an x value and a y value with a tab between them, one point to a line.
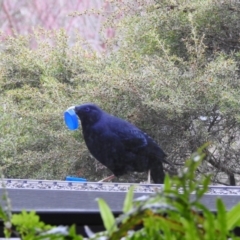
169	67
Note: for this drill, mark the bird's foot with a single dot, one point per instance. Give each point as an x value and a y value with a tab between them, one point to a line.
149	177
107	178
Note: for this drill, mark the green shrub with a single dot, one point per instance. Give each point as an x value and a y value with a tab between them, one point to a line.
172	69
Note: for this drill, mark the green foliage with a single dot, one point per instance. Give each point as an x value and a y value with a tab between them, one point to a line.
4	216
5	212
233	217
127	205
28	226
172	69
176	212
28	223
107	216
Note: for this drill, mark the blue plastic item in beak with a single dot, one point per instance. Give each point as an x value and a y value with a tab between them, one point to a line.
75	179
71	119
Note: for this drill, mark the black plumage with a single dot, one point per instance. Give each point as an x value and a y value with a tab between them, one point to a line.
118	144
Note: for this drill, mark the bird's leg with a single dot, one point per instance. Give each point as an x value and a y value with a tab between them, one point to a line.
149	176
107	178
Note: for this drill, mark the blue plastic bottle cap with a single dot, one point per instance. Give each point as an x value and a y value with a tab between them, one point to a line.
75	179
71	119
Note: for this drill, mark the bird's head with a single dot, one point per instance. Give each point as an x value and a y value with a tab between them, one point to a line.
88	113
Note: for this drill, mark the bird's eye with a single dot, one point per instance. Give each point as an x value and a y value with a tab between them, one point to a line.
87	109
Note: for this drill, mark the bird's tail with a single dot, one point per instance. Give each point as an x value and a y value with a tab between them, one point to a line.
157	172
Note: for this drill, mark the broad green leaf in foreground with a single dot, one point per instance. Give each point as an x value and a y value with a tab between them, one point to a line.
233	217
107	216
128	202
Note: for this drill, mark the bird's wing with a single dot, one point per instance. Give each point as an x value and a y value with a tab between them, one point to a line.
132	138
129	135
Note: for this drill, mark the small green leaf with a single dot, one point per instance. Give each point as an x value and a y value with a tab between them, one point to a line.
28	223
233	217
167	183
204	187
107	216
221	217
73	234
3	215
128	202
208	224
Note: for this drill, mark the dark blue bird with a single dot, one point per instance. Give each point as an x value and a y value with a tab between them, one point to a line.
118	144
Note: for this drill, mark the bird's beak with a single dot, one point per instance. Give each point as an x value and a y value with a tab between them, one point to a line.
77	108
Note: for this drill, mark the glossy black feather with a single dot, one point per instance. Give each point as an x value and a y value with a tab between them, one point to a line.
118	144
